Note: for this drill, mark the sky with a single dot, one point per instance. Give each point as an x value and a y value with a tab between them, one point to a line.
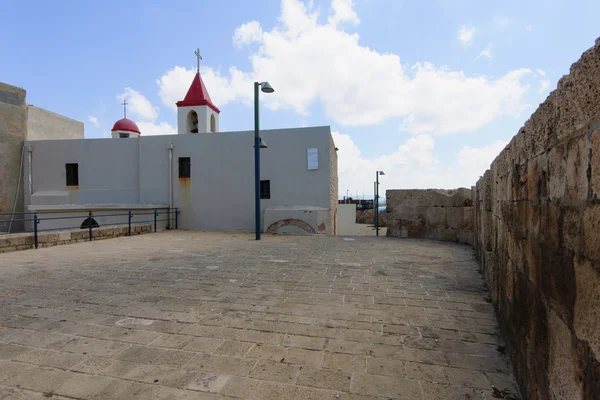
427	91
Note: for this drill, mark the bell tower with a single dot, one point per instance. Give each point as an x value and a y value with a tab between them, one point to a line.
196	113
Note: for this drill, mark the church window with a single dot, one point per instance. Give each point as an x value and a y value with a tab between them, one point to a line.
213	123
123	135
265	189
72	174
184	167
193	122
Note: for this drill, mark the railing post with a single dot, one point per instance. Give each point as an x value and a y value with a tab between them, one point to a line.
155	216
129	232
177	218
90	224
35	230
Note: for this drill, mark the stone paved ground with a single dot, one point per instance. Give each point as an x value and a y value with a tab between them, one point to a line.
191	315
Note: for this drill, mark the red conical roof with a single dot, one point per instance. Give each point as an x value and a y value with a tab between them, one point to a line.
197	95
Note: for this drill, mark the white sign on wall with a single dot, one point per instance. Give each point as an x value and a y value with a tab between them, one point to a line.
312	156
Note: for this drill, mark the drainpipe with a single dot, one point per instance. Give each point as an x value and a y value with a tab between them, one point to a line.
170	146
29	179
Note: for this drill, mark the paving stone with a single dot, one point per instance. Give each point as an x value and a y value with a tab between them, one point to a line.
345	362
11	369
433	391
51	358
384	366
273	391
305	393
208	382
240	387
173	341
304	342
41	379
10	351
174	358
127	390
377	385
273	371
304	357
179	394
491	364
221	364
8	334
324	378
467	378
267	352
83	386
203	345
95	347
348	347
425	372
233	348
139	354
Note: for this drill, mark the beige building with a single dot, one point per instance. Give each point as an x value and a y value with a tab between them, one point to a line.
20	122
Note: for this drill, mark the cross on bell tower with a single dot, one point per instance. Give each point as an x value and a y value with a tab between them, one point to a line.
199	57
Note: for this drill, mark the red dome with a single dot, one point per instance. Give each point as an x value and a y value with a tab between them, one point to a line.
126	125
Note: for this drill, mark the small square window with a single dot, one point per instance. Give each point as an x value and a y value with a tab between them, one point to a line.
123	135
184	167
72	174
265	189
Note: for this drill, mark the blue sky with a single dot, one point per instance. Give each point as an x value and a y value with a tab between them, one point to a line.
427	91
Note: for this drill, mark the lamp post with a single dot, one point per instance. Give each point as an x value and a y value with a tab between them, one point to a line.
258	144
377	173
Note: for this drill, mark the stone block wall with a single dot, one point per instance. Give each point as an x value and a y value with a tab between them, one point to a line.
431	214
25	241
13	131
333	188
537	238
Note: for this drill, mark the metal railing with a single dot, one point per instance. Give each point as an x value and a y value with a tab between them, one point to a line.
132	218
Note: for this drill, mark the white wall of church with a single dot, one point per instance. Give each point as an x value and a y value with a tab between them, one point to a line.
220	192
204	114
46	125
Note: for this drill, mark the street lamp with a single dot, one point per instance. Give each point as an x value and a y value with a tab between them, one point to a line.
377	173
258	144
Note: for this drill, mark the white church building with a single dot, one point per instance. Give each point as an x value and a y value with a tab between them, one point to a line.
206	174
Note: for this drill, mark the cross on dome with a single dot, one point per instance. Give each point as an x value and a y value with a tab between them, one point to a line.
124	104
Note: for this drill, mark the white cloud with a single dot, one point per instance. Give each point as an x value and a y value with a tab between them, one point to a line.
343	11
247	33
94	121
529	27
310	63
412	165
153	129
139	106
544	84
540	72
466	35
487	52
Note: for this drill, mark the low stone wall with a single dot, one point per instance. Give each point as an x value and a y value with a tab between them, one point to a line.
366	217
537	229
431	214
24	241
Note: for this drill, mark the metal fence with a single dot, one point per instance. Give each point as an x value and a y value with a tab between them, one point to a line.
130	218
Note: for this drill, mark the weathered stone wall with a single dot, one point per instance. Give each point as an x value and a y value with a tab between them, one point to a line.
431	214
537	237
25	241
366	217
46	125
13	130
